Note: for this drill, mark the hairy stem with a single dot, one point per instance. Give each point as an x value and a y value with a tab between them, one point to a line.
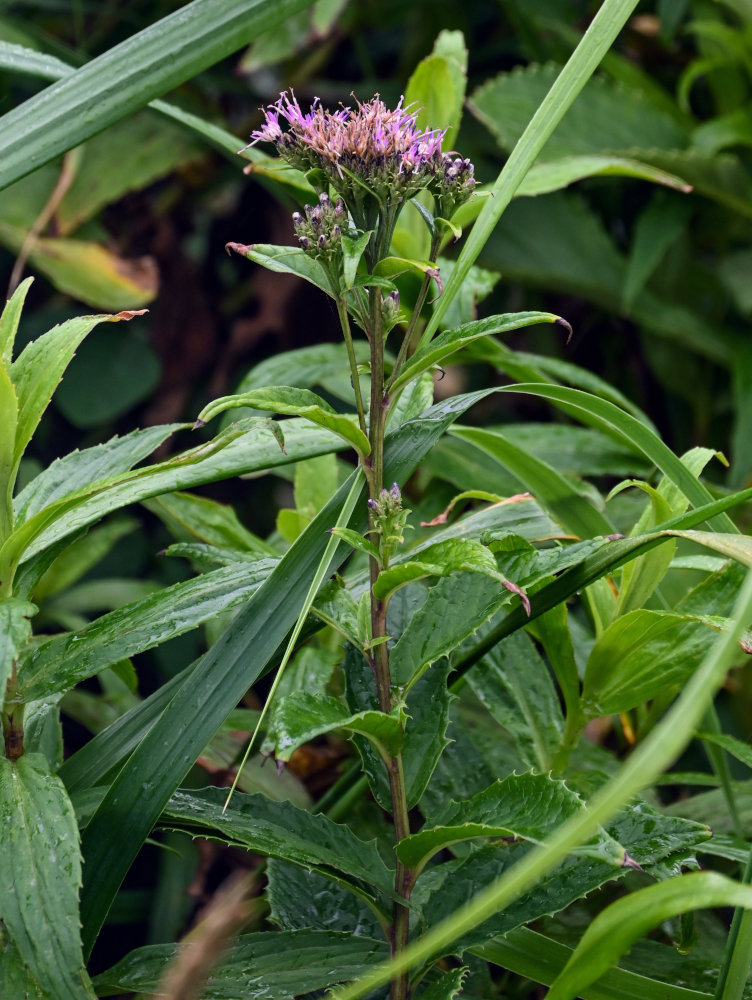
354	376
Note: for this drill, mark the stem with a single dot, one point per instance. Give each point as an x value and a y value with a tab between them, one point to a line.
354	376
379	658
406	348
738	952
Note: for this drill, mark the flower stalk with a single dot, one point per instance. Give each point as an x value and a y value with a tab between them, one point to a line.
366	163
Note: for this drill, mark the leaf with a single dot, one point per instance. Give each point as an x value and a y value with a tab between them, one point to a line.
301	717
436	89
657	228
614	930
356	541
301	899
89	271
237	453
79	469
285	260
604	117
113	837
737	748
9	320
85	102
40	872
639	655
280	830
389	581
257	966
521	807
295	402
8	426
540	958
62	661
543	178
15	631
447	987
193	518
352	251
514	684
38	369
447	344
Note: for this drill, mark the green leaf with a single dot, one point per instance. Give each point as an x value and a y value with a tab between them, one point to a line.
639	655
40	366
657	228
286	260
612	419
257	966
301	899
62	661
40	873
352	251
15	631
8	426
85	102
514	684
447	987
114	836
540	959
280	830
389	581
447	344
356	541
737	748
614	930
15	978
301	717
192	518
9	320
436	89
604	117
80	469
294	402
522	806
543	178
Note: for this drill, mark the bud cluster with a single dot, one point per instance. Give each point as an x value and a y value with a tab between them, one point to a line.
453	184
388	519
319	231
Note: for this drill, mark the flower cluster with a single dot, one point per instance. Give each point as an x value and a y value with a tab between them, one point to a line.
319	231
368	148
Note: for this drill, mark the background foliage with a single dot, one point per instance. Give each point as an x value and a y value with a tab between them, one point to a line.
655	281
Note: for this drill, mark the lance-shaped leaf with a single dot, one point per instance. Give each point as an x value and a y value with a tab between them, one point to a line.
15	630
639	655
8	424
280	830
451	556
301	717
40	874
521	806
40	366
64	660
357	541
80	469
447	344
279	964
616	929
293	402
285	260
352	251
9	320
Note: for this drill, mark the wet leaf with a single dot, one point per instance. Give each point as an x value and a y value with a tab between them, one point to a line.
15	631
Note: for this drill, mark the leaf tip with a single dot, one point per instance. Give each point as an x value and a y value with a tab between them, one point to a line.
241	248
630	862
560	321
198	422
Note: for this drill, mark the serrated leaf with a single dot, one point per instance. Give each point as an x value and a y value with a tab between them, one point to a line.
447	987
279	964
448	343
280	830
38	369
15	631
639	655
294	402
64	660
301	717
514	684
300	898
40	874
521	806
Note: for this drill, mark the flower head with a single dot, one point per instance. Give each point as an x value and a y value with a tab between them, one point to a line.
367	148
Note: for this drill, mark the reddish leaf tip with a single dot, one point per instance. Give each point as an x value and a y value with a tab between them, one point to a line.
560	321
